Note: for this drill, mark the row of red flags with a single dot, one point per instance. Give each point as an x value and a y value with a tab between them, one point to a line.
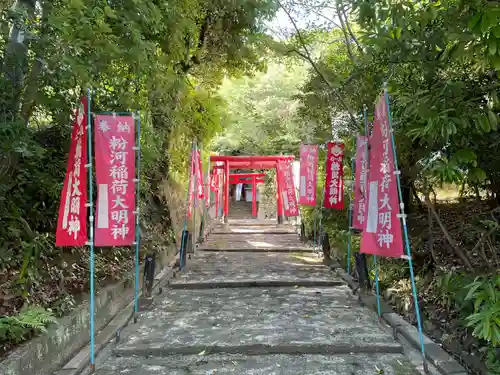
115	180
376	201
334	176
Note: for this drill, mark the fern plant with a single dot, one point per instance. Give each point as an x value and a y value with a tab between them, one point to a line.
14	329
485	321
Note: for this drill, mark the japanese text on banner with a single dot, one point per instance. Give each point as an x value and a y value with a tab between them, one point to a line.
308	174
199	176
213	180
72	219
382	231
207	190
115	173
191	185
334	181
360	183
287	188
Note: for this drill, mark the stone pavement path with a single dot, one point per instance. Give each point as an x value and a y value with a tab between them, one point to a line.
256	311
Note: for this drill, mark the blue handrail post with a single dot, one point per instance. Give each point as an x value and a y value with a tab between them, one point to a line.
137	215
405	231
91	233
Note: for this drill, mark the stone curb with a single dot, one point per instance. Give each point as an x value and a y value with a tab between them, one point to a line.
260	349
212	224
255	284
80	362
444	362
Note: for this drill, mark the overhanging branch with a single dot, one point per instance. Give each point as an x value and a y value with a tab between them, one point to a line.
306	55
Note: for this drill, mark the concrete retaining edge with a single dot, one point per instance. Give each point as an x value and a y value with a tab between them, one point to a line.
46	353
444	362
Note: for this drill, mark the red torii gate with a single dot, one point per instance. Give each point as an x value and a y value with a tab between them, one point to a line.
247	162
242	178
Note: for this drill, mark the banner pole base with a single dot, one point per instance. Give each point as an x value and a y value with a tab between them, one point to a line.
92	368
425	365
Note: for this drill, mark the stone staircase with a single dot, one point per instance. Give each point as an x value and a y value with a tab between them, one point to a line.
241	210
254	301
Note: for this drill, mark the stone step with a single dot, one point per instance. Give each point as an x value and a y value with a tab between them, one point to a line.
272	239
257	322
241	249
314	283
233	266
283	364
253	223
252	231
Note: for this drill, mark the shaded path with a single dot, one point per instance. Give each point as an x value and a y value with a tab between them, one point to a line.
266	312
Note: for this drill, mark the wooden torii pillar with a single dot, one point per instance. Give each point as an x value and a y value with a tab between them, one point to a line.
248	162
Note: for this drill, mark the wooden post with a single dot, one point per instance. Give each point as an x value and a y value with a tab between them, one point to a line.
254	196
226	191
279	205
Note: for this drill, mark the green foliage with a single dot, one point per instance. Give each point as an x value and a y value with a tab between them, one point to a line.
485	294
263	112
439	61
165	59
17	328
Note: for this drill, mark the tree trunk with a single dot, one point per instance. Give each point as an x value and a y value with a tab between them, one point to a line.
458	251
414	192
32	83
16	59
406	192
476	192
431	238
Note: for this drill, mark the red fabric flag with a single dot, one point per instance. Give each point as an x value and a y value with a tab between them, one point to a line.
115	174
191	185
360	181
308	174
72	219
214	182
207	198
382	230
199	176
334	182
287	187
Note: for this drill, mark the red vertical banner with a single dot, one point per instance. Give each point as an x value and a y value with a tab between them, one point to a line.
207	190
214	186
360	183
115	174
199	176
308	174
191	185
382	230
287	188
72	219
334	182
